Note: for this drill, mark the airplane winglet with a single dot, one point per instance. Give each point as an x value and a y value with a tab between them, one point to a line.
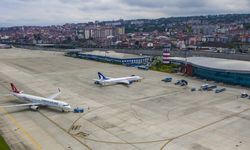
55	95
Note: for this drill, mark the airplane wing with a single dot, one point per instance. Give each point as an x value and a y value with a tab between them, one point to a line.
126	82
55	95
18	105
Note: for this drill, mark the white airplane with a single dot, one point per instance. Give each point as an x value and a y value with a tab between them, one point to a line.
35	101
124	80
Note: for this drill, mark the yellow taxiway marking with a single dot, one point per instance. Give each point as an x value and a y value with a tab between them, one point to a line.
34	142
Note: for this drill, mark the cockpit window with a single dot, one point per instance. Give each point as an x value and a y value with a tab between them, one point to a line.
66	105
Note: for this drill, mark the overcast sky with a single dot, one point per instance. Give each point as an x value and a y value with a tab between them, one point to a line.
49	12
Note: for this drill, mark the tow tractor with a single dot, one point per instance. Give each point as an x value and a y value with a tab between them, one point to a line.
78	110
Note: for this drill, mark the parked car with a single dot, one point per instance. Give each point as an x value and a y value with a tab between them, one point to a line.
167	79
181	82
220	90
193	89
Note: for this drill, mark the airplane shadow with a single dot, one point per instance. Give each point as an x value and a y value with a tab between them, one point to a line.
17	111
26	108
51	110
108	85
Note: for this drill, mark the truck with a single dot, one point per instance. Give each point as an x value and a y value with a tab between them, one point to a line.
143	67
244	95
208	87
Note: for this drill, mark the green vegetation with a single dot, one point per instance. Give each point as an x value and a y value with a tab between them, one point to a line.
3	144
168	68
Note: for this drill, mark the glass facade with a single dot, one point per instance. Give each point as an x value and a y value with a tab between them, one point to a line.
223	76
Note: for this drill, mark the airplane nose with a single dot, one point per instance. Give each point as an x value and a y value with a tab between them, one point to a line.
68	108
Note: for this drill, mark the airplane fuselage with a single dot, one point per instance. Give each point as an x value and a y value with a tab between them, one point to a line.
42	101
118	80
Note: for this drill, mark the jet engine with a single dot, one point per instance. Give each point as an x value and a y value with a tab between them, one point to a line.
34	107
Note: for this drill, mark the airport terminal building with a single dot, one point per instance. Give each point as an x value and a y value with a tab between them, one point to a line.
222	70
114	57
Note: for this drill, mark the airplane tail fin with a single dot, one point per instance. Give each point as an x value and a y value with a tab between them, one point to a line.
101	76
14	89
